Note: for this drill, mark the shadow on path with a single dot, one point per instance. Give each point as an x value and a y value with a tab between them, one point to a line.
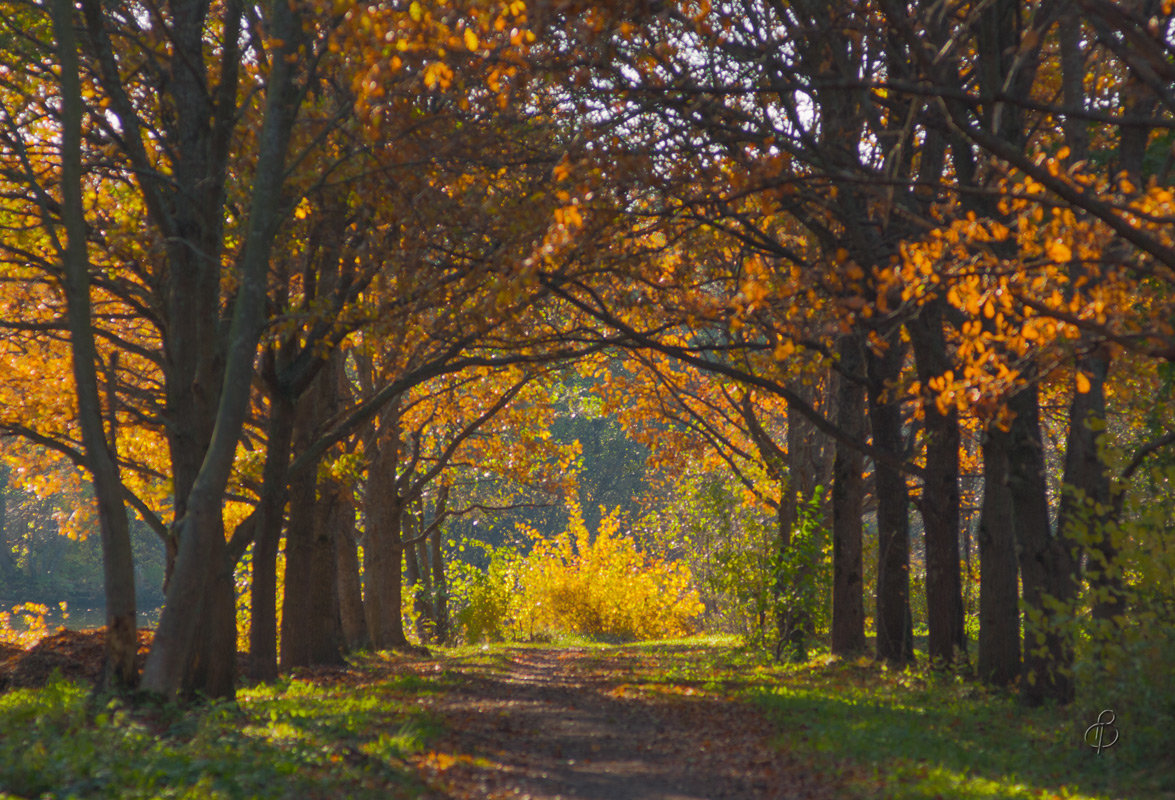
578	724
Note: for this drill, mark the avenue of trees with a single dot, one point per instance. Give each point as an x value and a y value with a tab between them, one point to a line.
284	279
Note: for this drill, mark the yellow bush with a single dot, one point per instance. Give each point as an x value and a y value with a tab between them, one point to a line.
603	586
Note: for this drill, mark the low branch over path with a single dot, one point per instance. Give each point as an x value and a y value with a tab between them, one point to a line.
584	724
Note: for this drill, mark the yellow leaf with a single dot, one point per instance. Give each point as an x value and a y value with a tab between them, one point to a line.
416	12
1083	386
471	41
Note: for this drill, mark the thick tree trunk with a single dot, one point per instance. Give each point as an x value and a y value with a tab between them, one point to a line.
382	552
1046	565
311	630
895	634
999	592
311	633
266	542
940	494
789	618
350	586
383	557
848	497
194	648
118	570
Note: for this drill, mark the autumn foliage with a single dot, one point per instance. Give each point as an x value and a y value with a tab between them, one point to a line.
602	585
304	287
598	586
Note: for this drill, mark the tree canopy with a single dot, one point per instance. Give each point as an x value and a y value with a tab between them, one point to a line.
292	281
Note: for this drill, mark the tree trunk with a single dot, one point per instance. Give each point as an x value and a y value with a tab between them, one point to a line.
383	552
848	497
118	569
440	600
895	635
797	487
417	575
1046	566
194	648
351	618
271	506
940	494
440	596
311	633
426	624
1085	492
999	593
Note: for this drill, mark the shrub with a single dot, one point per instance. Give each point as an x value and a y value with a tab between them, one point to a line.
603	586
482	599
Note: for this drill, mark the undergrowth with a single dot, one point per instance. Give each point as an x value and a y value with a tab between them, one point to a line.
289	739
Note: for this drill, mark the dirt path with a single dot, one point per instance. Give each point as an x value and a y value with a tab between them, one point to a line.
576	724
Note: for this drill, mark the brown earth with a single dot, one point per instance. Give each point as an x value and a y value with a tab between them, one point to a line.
75	655
578	725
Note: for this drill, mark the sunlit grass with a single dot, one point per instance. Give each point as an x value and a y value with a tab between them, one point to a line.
908	734
289	739
878	733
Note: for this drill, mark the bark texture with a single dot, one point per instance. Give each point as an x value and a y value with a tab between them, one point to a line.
262	664
999	592
350	585
311	631
940	493
848	497
1046	563
383	553
895	632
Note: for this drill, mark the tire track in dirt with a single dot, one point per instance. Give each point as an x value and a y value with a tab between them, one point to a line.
577	725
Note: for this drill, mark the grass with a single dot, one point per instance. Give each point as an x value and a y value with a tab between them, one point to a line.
880	733
917	734
292	739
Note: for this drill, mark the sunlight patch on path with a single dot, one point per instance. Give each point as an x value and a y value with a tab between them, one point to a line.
580	725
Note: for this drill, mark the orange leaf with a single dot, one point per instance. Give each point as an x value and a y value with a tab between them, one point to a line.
1059	251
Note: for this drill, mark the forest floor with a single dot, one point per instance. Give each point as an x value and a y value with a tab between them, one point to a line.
696	719
602	725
